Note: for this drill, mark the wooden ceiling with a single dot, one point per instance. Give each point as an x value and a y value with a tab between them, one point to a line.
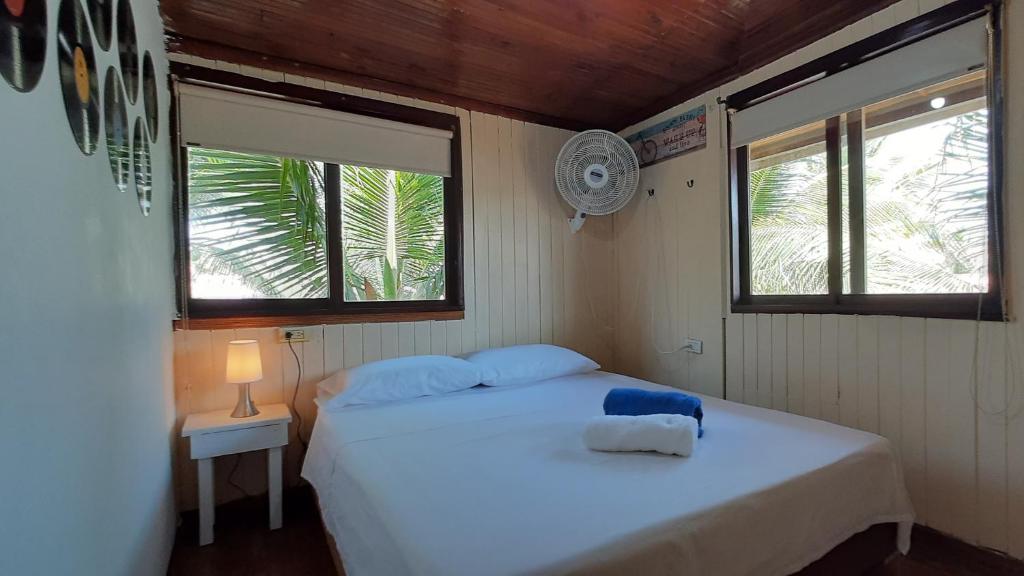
571	63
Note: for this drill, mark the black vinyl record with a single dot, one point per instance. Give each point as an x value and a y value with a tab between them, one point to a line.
22	42
149	96
78	81
101	12
143	167
115	122
128	50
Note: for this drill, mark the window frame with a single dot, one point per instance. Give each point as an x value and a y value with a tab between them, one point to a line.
963	306
269	312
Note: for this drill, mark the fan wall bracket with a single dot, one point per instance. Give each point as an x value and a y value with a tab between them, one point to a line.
576	222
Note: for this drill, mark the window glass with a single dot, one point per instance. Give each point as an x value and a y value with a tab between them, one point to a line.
926	186
392	235
788	190
257	226
925	193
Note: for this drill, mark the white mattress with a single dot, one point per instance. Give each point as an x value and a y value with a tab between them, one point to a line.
496	481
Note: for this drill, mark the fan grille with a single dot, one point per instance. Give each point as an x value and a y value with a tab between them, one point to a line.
605	149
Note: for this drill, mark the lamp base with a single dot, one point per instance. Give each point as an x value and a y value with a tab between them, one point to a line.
244	408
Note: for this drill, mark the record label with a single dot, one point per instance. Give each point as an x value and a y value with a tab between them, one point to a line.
149	96
15	7
78	81
115	121
143	167
81	75
101	12
128	50
22	42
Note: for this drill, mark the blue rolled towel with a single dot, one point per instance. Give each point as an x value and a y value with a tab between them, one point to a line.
638	402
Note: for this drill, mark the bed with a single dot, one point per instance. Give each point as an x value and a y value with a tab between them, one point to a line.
496	481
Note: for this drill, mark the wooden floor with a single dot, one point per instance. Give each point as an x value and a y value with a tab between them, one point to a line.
244	546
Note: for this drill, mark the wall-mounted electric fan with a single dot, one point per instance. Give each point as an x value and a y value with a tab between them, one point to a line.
596	173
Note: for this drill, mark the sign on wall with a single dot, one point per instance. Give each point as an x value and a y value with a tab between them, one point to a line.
674	136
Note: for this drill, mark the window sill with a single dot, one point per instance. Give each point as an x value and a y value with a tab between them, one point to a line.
948	306
315	319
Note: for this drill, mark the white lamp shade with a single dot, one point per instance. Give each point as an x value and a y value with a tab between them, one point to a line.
244	364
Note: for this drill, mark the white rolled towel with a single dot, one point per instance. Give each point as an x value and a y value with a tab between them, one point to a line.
665	433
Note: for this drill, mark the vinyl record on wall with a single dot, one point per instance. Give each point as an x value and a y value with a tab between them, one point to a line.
101	12
128	50
143	167
149	96
22	42
115	122
77	66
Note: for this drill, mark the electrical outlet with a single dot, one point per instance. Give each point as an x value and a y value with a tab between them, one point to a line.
292	335
694	346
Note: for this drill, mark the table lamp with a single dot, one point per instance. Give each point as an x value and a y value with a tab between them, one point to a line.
243	368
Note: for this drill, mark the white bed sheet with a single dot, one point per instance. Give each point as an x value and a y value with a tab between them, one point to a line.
496	481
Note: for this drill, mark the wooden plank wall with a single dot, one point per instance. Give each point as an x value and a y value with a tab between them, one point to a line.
528	279
914	381
955	417
668	247
908	379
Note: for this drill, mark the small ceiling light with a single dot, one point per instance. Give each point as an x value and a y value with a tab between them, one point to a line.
938	102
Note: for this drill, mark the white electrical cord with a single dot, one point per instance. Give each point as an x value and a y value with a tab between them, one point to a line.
647	249
663	265
1009	344
601	324
295	396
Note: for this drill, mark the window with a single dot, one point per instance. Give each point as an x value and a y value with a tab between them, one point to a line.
256	226
874	189
392	235
789	213
296	211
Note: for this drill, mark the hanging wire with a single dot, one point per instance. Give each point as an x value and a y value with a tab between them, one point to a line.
581	254
295	396
180	214
662	265
231	475
647	232
1010	346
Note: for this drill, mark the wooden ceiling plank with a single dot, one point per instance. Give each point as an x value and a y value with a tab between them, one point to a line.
212	51
565	62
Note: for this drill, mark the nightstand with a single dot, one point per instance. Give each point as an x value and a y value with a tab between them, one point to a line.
216	433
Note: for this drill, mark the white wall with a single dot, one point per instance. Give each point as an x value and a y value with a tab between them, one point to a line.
668	248
86	300
527	280
908	379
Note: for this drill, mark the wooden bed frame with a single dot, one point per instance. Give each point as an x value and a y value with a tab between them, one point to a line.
864	553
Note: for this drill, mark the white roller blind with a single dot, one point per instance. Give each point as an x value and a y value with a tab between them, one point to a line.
227	120
940	57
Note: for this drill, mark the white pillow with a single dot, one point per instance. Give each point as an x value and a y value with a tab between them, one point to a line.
331	386
529	363
402	378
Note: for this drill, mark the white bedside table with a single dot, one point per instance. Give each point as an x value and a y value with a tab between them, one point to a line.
216	433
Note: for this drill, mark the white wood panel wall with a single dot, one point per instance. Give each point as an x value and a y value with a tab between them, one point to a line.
670	284
914	381
527	279
908	379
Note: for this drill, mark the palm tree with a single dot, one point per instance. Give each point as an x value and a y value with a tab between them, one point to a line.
789	227
261	221
393	234
938	215
926	222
